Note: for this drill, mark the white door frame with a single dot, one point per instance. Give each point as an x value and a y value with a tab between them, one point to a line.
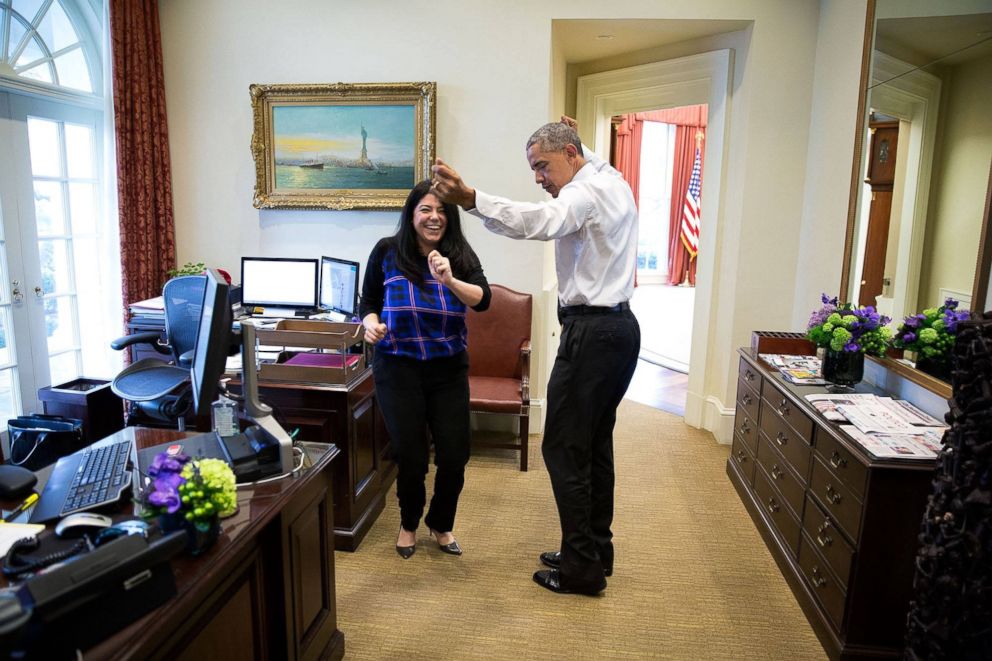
685	81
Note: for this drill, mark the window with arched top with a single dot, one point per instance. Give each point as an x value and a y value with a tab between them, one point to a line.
48	41
59	250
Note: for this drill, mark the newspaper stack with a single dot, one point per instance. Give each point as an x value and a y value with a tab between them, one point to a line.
887	428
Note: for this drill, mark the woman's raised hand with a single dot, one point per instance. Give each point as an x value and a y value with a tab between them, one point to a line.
439	266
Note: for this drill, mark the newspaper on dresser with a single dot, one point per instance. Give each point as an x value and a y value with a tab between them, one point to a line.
827	404
924	443
875	417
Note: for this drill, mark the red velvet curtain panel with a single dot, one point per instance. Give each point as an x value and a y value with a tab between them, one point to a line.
144	170
629	153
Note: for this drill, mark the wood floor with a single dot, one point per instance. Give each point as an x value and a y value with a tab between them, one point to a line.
658	387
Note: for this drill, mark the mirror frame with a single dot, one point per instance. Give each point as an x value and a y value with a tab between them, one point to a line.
984	262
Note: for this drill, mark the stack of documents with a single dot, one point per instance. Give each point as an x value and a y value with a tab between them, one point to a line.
801	370
886	427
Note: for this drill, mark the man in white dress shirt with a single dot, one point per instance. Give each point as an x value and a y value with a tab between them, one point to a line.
592	219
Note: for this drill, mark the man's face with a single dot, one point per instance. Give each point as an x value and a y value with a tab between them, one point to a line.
552	169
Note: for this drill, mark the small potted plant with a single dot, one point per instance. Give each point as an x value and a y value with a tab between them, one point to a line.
930	336
847	333
190	494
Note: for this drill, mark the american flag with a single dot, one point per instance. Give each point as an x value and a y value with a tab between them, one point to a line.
690	211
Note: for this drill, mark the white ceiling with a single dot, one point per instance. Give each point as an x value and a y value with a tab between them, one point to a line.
582	40
933	37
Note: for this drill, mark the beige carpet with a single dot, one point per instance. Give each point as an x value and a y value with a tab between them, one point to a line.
693	579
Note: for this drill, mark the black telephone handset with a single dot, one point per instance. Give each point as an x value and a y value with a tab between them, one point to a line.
14	565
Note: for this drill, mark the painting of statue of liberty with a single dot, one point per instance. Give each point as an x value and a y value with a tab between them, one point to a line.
354	147
341	146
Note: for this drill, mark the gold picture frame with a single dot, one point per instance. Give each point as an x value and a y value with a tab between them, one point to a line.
341	145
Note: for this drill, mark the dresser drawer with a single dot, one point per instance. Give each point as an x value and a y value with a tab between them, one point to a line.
825	586
786	410
793	447
831	545
747	428
750	376
781	476
836	499
851	472
741	455
772	501
747	399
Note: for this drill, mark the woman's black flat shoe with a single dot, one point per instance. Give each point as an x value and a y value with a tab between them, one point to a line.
406	552
451	548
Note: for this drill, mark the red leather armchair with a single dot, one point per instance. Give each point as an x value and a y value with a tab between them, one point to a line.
499	361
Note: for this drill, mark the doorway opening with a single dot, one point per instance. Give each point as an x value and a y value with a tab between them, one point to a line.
660	154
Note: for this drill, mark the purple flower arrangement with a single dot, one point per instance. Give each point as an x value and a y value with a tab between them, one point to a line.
197	491
930	334
842	327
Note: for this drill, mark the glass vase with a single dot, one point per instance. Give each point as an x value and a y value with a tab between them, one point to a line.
935	367
843	369
197	540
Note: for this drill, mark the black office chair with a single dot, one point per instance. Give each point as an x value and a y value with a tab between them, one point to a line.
158	390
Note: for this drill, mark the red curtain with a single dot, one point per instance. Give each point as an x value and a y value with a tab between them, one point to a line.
144	171
690	121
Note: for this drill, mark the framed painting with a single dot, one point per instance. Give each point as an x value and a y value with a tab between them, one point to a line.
342	145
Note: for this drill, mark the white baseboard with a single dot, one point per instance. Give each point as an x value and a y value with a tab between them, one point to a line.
710	414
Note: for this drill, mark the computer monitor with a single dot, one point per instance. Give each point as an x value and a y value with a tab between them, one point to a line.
339	286
279	282
213	342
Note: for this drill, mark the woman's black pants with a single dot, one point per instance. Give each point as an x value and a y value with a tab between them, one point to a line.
416	396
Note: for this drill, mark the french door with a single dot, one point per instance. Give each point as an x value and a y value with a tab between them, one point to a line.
50	183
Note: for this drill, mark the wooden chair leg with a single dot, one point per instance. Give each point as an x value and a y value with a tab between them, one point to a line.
524	436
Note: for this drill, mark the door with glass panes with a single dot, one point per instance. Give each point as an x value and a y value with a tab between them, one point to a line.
49	203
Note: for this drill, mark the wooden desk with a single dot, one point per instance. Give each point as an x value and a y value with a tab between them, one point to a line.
264	590
347	416
343	414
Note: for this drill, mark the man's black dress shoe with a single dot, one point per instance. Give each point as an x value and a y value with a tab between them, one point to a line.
553	559
551	579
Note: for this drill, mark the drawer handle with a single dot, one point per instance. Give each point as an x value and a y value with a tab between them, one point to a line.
783	408
776	473
818	580
781	438
745	429
837	461
747	400
748	375
822	538
773	505
833	495
741	457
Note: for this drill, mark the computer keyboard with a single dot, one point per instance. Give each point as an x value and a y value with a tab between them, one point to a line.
100	479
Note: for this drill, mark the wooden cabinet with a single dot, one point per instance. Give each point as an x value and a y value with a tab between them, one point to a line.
841	524
348	416
265	590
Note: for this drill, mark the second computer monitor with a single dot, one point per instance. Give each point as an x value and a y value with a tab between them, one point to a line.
279	282
339	286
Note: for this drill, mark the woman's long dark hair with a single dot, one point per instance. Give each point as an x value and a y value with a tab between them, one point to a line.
452	245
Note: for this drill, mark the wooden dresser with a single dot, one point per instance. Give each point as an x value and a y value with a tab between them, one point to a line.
841	525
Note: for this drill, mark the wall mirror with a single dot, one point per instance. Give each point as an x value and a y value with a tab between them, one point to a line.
920	195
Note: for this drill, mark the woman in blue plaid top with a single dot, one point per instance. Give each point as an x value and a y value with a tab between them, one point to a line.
417	285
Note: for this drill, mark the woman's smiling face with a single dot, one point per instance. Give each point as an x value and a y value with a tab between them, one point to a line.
429	222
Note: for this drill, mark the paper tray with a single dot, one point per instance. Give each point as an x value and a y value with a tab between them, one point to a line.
334	352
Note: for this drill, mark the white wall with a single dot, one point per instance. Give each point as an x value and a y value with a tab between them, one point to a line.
494	67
